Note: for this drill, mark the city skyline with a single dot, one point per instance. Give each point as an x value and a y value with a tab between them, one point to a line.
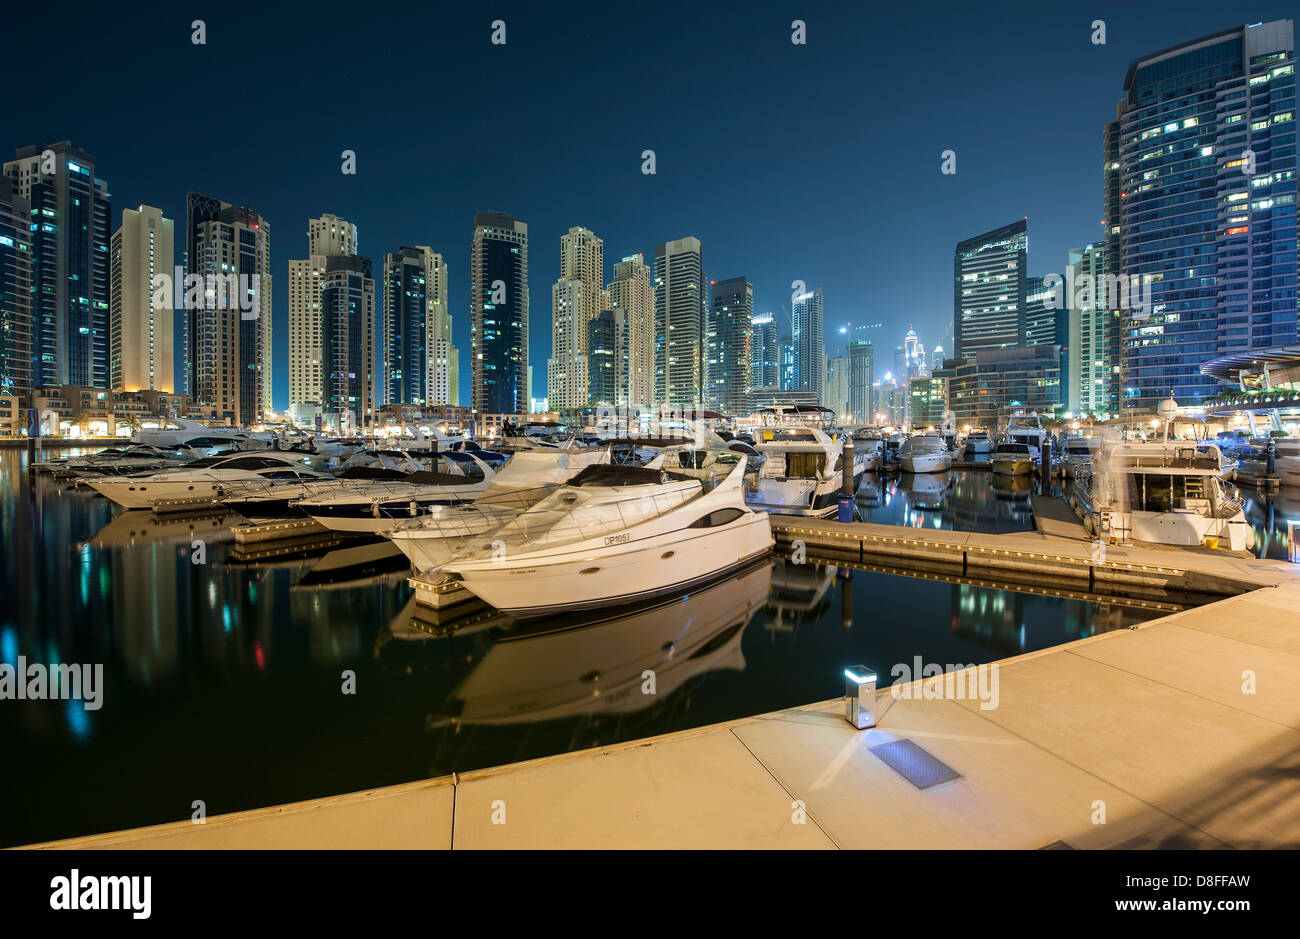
745	206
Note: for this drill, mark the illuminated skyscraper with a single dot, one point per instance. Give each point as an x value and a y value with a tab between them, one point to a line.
140	319
499	315
632	292
728	354
989	290
679	322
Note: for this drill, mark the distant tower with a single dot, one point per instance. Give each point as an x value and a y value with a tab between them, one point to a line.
631	291
499	315
140	318
728	353
679	322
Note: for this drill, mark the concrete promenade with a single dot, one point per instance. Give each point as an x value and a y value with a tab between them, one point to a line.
1184	732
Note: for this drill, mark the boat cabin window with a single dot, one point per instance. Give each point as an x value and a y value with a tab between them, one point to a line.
1162	492
804	465
1013	449
717	518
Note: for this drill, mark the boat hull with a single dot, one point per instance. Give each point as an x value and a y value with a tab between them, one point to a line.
653	566
926	463
1012	467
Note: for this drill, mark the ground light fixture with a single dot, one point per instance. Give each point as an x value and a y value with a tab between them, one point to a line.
860	696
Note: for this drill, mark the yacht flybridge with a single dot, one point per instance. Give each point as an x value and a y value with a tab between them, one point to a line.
801	474
612	535
1165	493
1027	430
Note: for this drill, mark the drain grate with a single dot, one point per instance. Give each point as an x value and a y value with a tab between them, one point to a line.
914	764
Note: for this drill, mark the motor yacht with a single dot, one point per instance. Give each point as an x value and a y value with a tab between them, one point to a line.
1026	429
201	481
1079	452
925	453
611	535
430	540
978	443
1165	493
375	507
801	474
117	461
870	442
1013	459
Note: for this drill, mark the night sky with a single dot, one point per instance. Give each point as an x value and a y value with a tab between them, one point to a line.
817	162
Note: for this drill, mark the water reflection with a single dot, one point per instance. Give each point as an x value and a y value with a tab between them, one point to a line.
1268	516
956	500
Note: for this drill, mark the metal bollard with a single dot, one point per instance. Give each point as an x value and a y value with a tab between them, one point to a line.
860	696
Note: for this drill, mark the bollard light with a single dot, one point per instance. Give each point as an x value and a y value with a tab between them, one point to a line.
860	696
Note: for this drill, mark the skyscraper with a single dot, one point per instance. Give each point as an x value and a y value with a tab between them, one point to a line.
348	342
728	353
602	357
809	345
15	291
679	322
765	352
631	291
420	361
229	325
836	395
576	299
1093	379
1206	214
499	315
989	290
862	369
140	318
327	236
70	227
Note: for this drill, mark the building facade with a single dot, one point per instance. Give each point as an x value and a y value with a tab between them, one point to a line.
989	290
348	323
228	334
632	292
807	316
421	363
15	292
499	315
1205	167
728	351
141	311
679	323
69	233
862	376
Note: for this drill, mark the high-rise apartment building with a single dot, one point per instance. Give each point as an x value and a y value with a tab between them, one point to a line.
632	292
1206	214
836	394
141	311
728	351
327	236
15	291
421	363
765	352
989	290
348	321
807	317
862	376
228	335
679	322
576	299
1092	382
69	232
499	315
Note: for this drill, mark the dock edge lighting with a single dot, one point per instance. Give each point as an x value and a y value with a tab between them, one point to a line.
860	696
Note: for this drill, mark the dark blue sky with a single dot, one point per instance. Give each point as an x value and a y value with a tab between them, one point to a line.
816	162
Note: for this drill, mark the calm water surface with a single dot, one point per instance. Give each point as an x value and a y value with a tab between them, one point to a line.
223	679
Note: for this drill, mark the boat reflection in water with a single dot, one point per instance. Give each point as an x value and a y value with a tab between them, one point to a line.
1268	516
614	662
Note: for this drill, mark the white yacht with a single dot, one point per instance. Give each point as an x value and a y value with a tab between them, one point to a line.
870	442
1166	493
612	535
1027	430
200	481
117	461
1013	459
978	443
430	540
195	436
925	453
375	507
1078	456
801	473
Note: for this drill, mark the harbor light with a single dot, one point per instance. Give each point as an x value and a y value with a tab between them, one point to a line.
860	696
